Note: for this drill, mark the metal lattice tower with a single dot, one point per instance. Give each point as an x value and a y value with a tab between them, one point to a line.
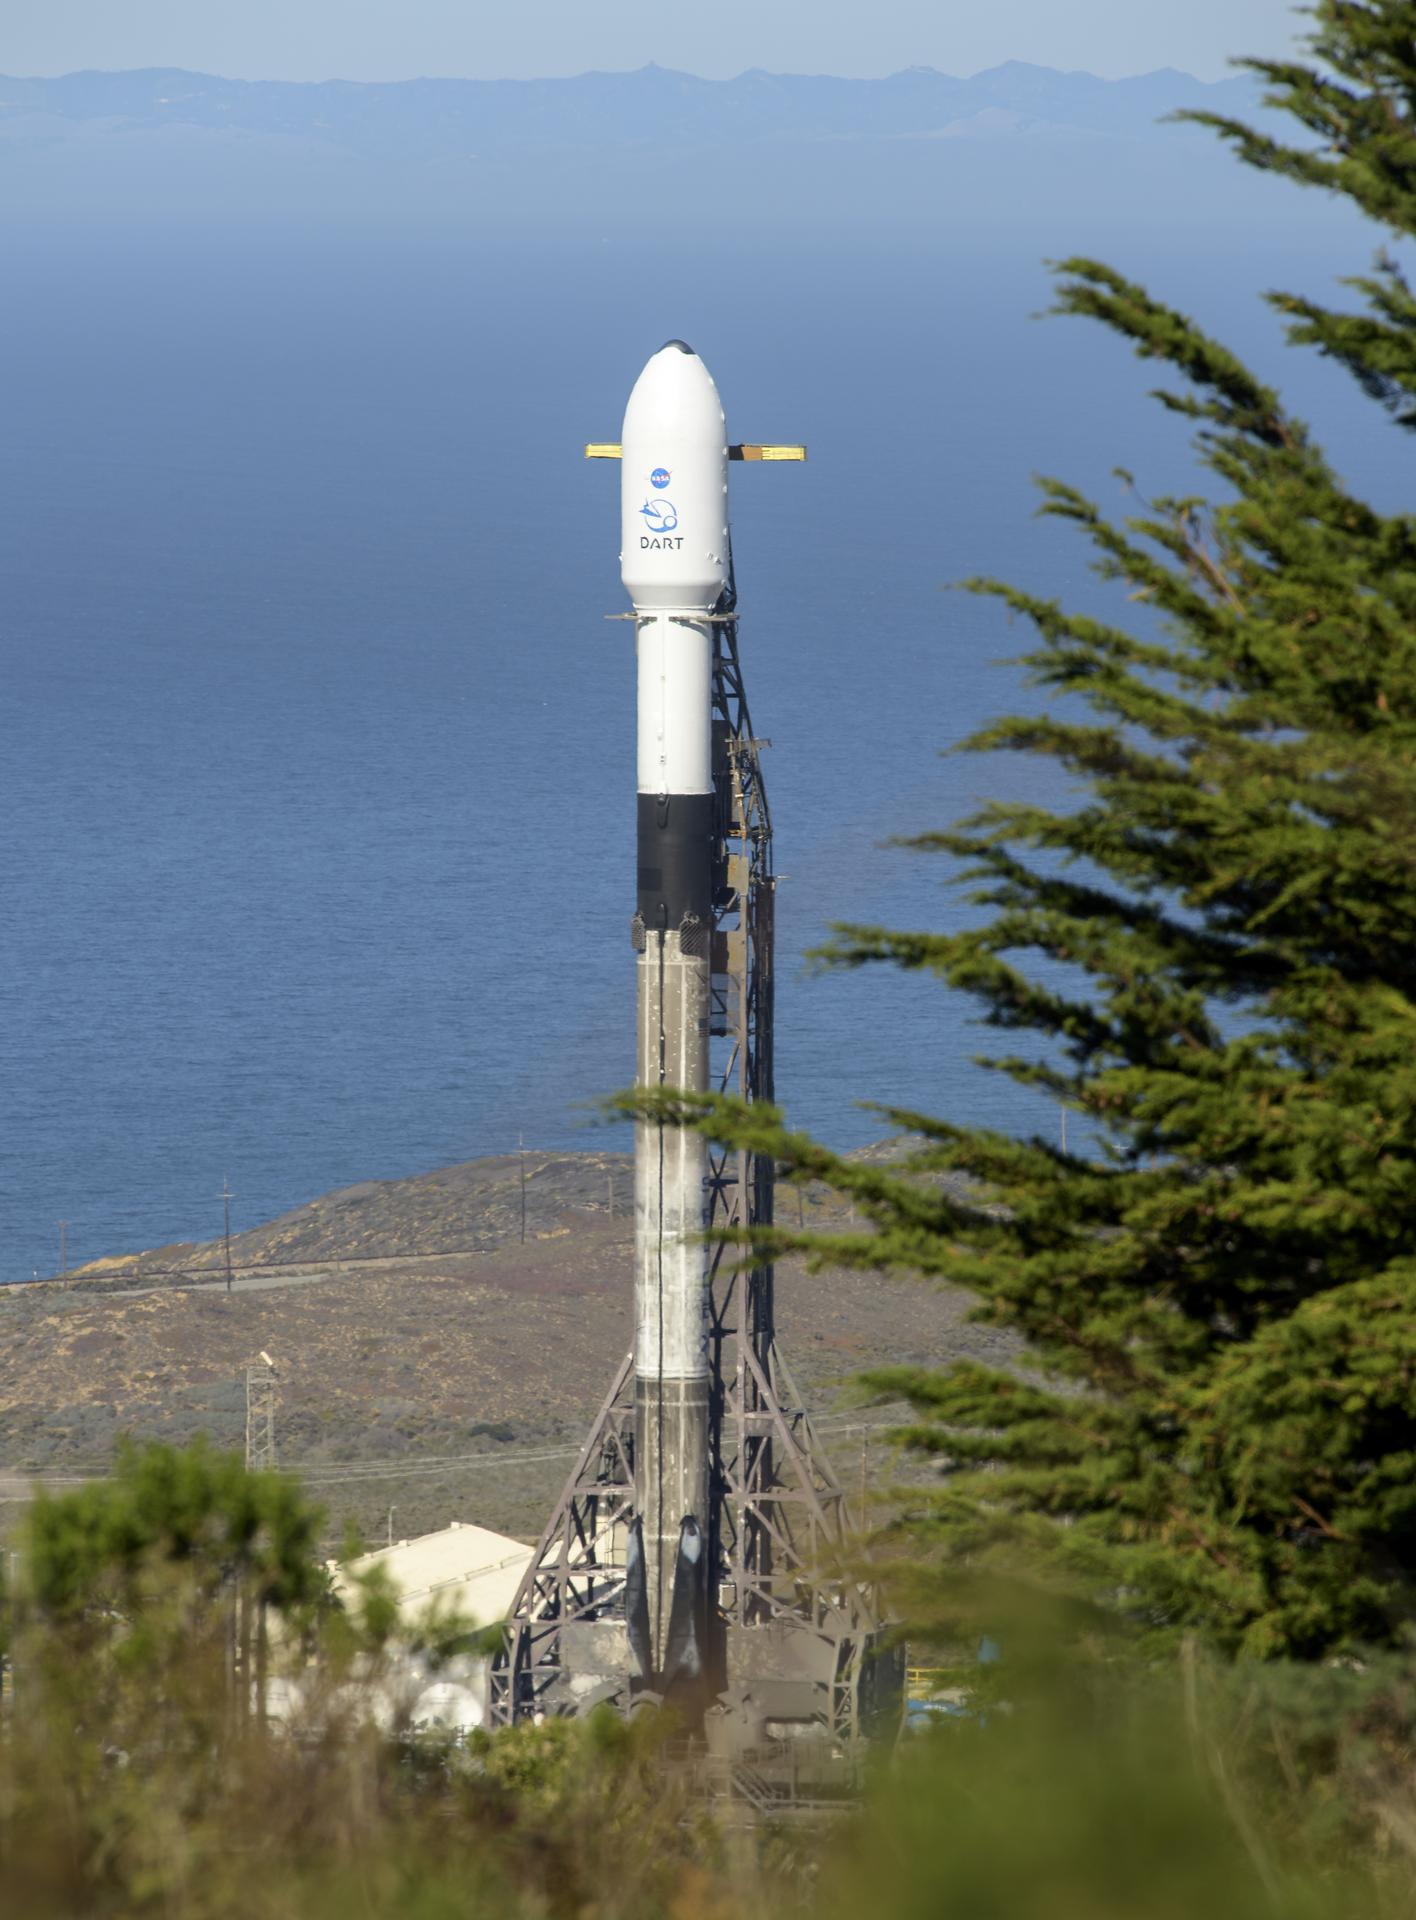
261	1396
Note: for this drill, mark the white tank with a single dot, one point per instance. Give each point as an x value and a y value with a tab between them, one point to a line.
675	697
674	486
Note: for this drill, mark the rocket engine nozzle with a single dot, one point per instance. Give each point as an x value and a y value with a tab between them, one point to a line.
684	1652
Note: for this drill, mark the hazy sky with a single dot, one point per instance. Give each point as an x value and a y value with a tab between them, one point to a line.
396	39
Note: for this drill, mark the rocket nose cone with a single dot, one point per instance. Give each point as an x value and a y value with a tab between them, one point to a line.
674	394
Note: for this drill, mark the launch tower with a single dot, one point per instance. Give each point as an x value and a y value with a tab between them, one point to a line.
699	1552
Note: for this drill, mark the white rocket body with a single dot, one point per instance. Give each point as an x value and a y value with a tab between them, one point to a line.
676	562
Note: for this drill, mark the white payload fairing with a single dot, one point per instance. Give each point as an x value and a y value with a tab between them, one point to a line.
676	564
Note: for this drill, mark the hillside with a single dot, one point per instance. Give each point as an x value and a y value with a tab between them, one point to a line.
430	1360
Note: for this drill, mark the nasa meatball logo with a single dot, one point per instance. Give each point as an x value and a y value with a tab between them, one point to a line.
659	477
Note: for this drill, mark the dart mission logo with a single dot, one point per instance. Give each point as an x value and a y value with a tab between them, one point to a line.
660	518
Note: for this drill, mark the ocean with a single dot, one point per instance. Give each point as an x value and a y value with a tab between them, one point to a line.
318	752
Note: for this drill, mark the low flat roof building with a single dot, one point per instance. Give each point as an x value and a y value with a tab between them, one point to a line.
464	1568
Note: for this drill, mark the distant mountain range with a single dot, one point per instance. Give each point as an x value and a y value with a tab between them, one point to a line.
635	152
433	119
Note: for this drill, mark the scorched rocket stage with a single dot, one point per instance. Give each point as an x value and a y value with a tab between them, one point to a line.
697	1555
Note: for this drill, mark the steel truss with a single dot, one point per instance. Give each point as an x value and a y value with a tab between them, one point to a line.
778	1530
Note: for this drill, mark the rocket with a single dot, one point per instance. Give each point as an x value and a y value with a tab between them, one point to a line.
682	1560
676	564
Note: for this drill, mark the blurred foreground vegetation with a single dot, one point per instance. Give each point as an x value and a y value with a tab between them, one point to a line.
139	1774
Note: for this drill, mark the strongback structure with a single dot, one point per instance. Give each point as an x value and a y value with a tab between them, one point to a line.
699	1552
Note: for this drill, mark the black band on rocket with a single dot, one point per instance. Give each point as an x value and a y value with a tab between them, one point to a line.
675	859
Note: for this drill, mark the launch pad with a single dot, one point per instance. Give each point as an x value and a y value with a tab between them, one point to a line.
700	1553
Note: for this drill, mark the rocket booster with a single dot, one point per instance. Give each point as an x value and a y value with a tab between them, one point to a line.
676	563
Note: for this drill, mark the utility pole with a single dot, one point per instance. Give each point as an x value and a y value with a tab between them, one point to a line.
261	1381
226	1198
521	1151
391	1512
63	1246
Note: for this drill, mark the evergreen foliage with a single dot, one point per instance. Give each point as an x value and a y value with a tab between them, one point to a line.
92	1552
1219	1284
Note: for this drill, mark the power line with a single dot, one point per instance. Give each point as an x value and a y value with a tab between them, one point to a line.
226	1198
392	1467
346	1473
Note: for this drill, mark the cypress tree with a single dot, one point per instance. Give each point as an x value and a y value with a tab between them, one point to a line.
1218	1282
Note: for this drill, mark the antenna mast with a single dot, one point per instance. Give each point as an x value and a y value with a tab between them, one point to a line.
261	1396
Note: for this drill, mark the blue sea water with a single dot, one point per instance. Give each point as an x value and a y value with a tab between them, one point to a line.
317	750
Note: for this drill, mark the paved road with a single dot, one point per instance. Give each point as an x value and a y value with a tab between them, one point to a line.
240	1283
18	1488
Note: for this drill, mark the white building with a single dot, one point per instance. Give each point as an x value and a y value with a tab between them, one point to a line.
462	1570
466	1569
